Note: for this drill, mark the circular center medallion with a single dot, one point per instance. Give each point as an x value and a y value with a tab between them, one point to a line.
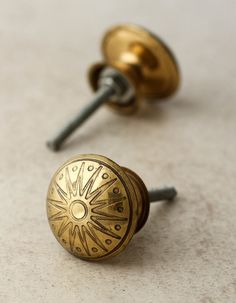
78	210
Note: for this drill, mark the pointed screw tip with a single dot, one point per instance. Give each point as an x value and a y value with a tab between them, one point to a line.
53	146
174	193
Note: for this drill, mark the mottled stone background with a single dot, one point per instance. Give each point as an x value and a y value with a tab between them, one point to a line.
187	250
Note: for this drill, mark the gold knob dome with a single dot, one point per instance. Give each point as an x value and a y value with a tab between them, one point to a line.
94	206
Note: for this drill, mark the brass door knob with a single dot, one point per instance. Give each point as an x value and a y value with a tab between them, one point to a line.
137	65
94	206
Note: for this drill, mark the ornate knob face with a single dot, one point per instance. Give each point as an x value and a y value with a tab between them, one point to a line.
92	207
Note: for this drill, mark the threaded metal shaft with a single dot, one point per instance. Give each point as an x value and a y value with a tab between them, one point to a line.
112	86
102	96
167	193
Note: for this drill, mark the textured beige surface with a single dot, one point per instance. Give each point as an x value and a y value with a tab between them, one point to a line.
187	251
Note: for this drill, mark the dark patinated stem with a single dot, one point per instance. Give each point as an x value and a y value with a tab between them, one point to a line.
167	193
102	96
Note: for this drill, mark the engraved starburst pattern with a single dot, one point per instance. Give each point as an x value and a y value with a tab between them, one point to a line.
88	208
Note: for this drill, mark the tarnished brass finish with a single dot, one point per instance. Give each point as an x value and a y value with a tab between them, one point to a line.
95	207
143	58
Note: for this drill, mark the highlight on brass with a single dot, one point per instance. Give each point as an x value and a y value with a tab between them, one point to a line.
94	206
